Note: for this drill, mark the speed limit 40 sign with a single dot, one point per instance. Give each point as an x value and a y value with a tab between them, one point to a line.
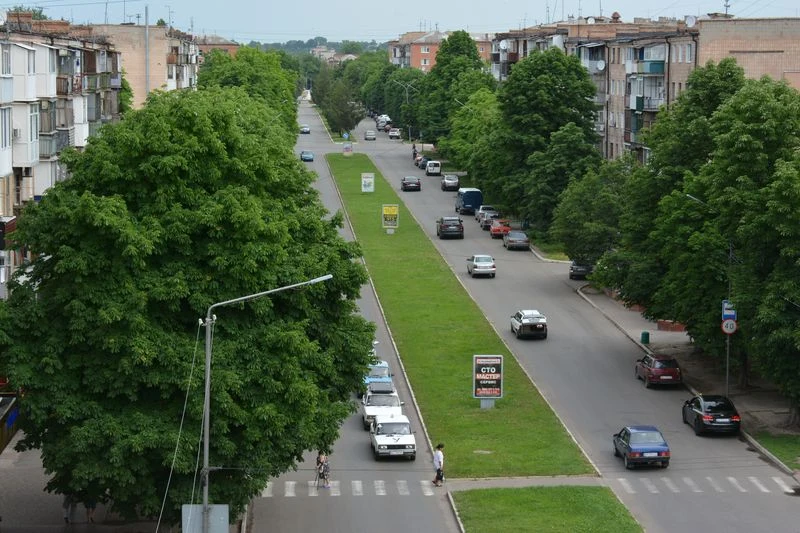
729	326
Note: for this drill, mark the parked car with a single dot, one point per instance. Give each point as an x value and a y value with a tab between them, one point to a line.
658	370
423	162
468	199
450	227
483	208
394	133
433	168
305	128
450	182
516	240
579	270
377	404
529	323
370	135
487	218
411	183
641	445
481	265
391	436
378	372
305	155
711	413
387	127
499	227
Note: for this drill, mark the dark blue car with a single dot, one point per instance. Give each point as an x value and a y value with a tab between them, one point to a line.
641	445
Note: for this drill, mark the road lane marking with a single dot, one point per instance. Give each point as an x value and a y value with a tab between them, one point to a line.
427	487
649	485
380	487
402	487
692	485
717	487
312	488
626	485
358	489
754	480
735	483
335	488
267	492
289	490
782	484
670	485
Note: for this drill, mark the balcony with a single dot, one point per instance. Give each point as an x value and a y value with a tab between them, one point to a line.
65	137
63	85
652	103
90	82
47	146
104	80
116	80
94	127
177	59
651	67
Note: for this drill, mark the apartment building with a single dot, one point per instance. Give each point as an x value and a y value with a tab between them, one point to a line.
418	49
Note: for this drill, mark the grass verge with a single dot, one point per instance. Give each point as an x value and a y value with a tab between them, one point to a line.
437	328
544	509
784	447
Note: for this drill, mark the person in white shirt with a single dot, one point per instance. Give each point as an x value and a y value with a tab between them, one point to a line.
438	464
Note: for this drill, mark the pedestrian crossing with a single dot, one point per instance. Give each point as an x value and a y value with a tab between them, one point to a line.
356	487
729	484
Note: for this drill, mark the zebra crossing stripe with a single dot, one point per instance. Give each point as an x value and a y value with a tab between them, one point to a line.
427	487
380	487
733	481
649	485
670	485
267	492
692	485
289	489
754	480
335	488
782	484
358	489
402	487
626	485
717	487
312	488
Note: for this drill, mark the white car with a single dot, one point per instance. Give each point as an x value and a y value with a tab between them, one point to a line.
391	436
484	209
481	265
394	133
373	405
529	323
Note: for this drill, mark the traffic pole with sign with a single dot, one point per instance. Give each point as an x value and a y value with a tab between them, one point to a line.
487	384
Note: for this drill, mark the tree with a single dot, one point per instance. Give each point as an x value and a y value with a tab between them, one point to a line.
125	95
192	200
36	12
341	109
161	22
351	47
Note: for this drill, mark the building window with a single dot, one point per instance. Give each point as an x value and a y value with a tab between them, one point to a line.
31	62
673	90
170	72
480	49
425	62
680	89
34	119
6	60
5	127
689	53
426	49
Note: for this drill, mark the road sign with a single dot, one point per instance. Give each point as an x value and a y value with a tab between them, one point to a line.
345	136
390	214
728	312
367	182
487	376
729	326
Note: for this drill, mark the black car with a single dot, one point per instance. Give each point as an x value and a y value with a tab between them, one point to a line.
423	162
579	270
410	183
450	227
711	413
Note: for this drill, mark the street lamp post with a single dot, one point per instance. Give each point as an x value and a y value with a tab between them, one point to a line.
406	86
209	321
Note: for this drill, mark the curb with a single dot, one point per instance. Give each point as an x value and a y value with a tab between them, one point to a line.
749	438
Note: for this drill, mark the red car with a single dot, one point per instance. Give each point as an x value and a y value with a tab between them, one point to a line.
658	370
499	227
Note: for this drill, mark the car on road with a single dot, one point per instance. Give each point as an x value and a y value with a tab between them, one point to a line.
449	227
529	323
481	209
433	168
379	403
423	162
370	135
481	265
378	372
516	240
641	445
655	369
410	183
487	218
394	133
468	199
711	413
499	228
305	155
579	270
450	182
391	436
305	128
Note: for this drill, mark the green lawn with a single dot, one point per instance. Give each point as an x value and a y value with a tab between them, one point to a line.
784	447
437	328
544	510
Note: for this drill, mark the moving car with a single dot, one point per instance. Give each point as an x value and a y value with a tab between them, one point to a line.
656	369
305	129
481	209
370	135
485	222
711	413
499	227
377	372
433	168
450	182
481	265
468	199
516	240
641	445
411	183
305	155
394	133
579	270
449	227
391	436
377	404
529	323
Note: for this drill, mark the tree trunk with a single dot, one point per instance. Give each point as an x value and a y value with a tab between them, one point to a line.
744	371
793	420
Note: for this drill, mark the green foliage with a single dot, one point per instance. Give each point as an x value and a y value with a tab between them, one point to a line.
161	22
402	83
351	47
192	200
37	12
125	95
341	108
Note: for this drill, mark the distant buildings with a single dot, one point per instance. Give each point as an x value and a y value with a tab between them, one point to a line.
418	49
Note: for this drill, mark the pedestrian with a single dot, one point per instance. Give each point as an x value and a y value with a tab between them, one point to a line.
91	505
438	464
323	469
69	505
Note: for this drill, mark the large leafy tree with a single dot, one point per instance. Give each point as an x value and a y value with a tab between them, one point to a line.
192	200
342	109
400	94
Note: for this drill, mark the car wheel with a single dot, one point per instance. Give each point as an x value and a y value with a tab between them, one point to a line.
646	382
571	276
683	416
492	275
413	457
519	336
698	427
461	236
628	464
366	426
544	336
375	455
665	464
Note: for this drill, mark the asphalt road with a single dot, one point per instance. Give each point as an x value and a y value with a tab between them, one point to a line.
365	495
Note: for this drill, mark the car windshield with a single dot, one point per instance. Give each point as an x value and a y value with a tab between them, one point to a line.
666	363
383	400
378	372
516	235
718	406
394	428
483	259
647	437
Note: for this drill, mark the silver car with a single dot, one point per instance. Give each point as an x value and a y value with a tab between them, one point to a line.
450	182
481	265
516	240
369	135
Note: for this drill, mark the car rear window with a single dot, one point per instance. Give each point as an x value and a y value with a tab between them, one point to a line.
647	437
665	363
718	406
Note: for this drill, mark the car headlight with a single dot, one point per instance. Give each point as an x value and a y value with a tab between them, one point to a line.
382	447
409	446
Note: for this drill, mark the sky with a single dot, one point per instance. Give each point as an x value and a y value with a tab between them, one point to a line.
270	21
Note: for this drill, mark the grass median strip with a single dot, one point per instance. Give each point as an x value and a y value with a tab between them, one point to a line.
438	328
784	447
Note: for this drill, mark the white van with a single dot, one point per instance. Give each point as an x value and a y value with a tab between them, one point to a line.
433	168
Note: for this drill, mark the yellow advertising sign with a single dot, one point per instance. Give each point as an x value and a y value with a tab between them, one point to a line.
390	213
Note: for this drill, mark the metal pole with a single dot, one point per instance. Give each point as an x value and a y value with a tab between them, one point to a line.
727	363
210	319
